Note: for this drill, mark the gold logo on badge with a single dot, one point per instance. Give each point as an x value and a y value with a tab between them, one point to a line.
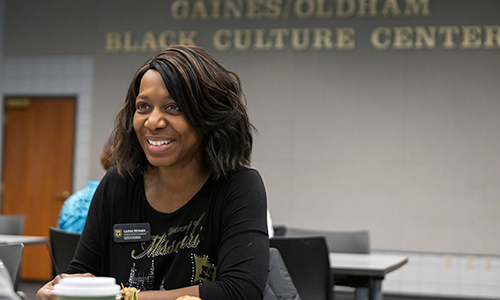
118	232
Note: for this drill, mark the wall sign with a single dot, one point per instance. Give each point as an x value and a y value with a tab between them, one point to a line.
279	38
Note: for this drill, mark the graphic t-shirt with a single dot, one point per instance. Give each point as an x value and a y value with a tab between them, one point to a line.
218	239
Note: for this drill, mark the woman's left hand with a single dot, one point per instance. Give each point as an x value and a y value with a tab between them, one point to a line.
46	291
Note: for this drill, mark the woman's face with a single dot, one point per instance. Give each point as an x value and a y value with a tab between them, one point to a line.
167	139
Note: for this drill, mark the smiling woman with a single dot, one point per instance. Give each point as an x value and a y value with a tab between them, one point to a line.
181	146
166	137
207	95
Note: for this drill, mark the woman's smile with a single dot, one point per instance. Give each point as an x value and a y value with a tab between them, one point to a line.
159	145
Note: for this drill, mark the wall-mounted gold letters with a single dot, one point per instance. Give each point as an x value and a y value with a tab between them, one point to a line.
302	38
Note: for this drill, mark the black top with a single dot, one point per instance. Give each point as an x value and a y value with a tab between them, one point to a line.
218	239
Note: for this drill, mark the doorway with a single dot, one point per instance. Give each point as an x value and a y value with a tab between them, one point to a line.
37	173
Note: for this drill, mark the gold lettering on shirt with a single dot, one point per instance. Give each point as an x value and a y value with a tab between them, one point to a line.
162	244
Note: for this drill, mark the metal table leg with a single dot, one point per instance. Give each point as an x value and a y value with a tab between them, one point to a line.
375	292
361	293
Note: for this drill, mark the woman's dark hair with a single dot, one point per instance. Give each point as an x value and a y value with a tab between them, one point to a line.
210	98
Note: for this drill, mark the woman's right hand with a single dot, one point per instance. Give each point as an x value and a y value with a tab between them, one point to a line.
46	291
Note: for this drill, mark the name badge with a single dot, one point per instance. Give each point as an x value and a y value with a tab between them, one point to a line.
131	232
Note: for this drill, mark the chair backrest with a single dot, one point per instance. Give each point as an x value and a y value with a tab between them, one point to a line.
306	259
353	241
62	248
7	291
279	285
11	255
12	224
279	230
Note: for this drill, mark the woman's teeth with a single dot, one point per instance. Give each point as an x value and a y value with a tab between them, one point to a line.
159	143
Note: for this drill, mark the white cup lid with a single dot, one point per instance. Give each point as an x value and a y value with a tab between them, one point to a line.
87	286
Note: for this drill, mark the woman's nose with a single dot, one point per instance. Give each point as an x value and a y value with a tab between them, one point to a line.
156	120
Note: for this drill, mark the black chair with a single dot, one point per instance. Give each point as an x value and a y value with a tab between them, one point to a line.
348	241
12	224
279	285
62	249
355	241
306	259
11	255
279	230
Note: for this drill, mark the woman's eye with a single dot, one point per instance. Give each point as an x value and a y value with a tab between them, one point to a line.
142	107
173	109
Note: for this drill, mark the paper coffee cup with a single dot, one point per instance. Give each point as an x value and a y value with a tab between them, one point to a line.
87	288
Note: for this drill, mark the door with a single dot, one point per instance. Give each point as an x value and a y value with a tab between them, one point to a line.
37	169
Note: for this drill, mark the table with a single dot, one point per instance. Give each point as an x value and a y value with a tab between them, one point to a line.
25	239
371	266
